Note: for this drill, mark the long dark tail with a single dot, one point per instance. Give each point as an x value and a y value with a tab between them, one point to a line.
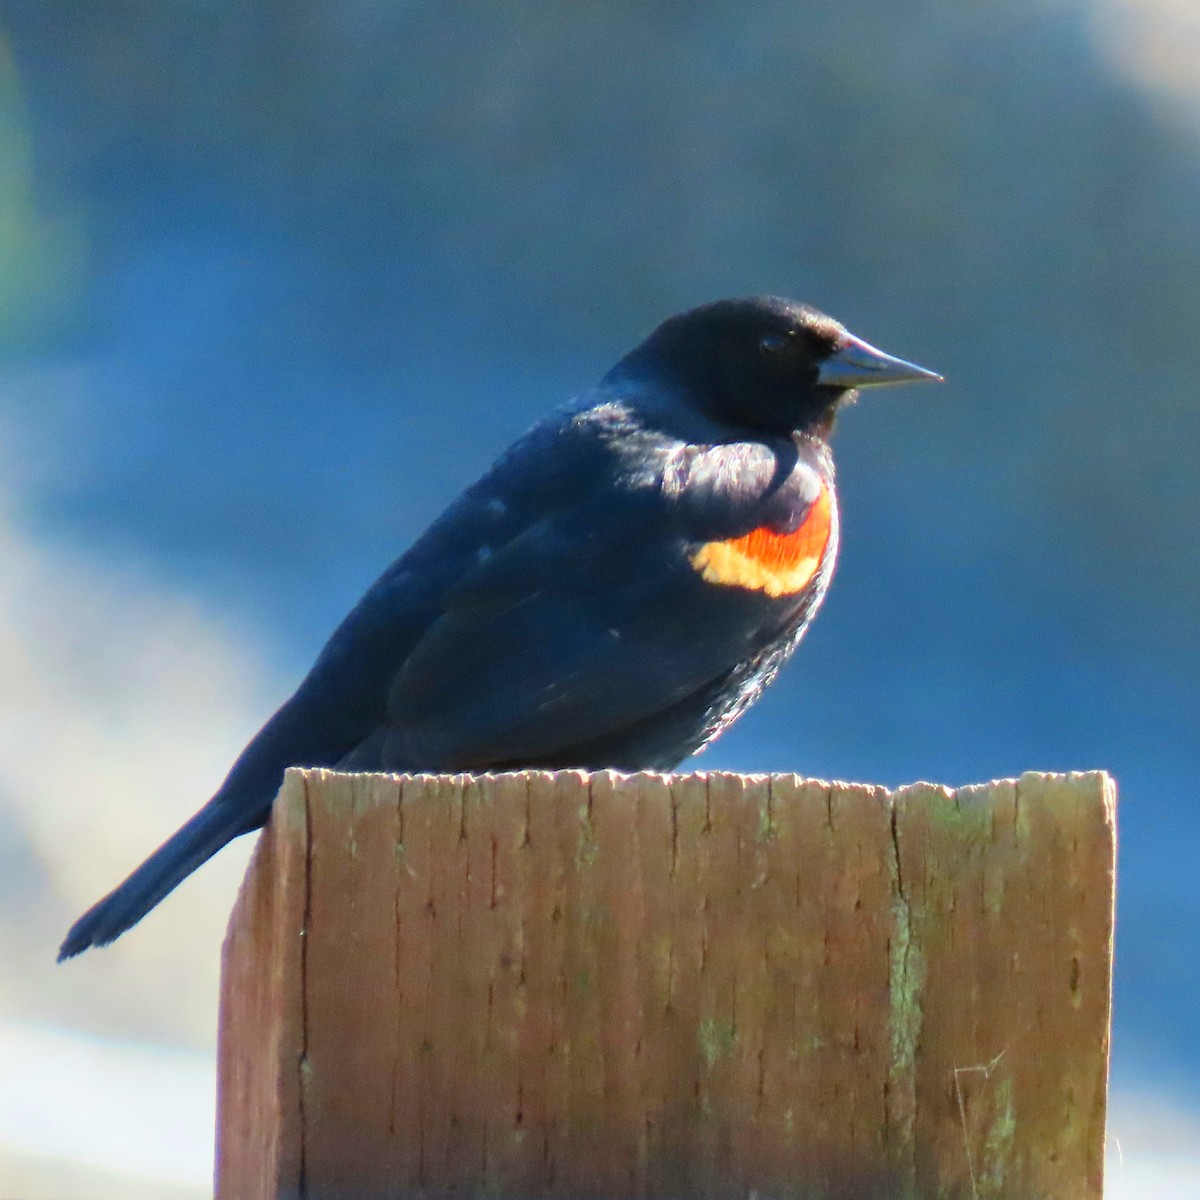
194	844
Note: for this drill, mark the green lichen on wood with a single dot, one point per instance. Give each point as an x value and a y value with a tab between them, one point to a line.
767	825
810	1045
715	1039
963	816
906	979
1021	813
993	891
587	849
998	1143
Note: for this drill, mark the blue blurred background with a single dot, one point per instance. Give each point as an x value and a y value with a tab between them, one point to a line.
278	279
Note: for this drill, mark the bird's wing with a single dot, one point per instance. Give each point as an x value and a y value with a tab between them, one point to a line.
592	619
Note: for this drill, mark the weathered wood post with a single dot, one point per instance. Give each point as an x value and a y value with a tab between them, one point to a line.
602	986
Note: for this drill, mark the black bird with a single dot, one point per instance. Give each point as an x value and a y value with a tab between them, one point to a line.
616	590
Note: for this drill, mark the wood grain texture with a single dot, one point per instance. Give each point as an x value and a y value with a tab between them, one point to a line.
571	985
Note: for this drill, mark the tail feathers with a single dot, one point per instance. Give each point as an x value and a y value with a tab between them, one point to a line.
194	844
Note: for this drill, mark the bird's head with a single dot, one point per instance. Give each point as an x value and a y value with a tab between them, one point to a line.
766	364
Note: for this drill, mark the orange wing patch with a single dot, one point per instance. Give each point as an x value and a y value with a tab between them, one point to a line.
779	564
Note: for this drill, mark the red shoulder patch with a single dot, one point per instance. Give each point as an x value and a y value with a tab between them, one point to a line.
779	564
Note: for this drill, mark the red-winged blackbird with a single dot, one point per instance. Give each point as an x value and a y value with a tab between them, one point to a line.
617	589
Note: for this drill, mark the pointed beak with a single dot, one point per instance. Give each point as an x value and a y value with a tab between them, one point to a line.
857	364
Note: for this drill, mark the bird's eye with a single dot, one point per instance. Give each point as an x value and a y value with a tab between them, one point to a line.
773	345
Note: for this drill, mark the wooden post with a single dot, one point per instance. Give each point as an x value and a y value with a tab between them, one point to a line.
602	986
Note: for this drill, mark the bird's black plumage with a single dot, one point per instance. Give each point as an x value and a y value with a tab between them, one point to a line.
616	590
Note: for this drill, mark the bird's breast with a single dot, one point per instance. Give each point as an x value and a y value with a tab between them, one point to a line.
778	564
